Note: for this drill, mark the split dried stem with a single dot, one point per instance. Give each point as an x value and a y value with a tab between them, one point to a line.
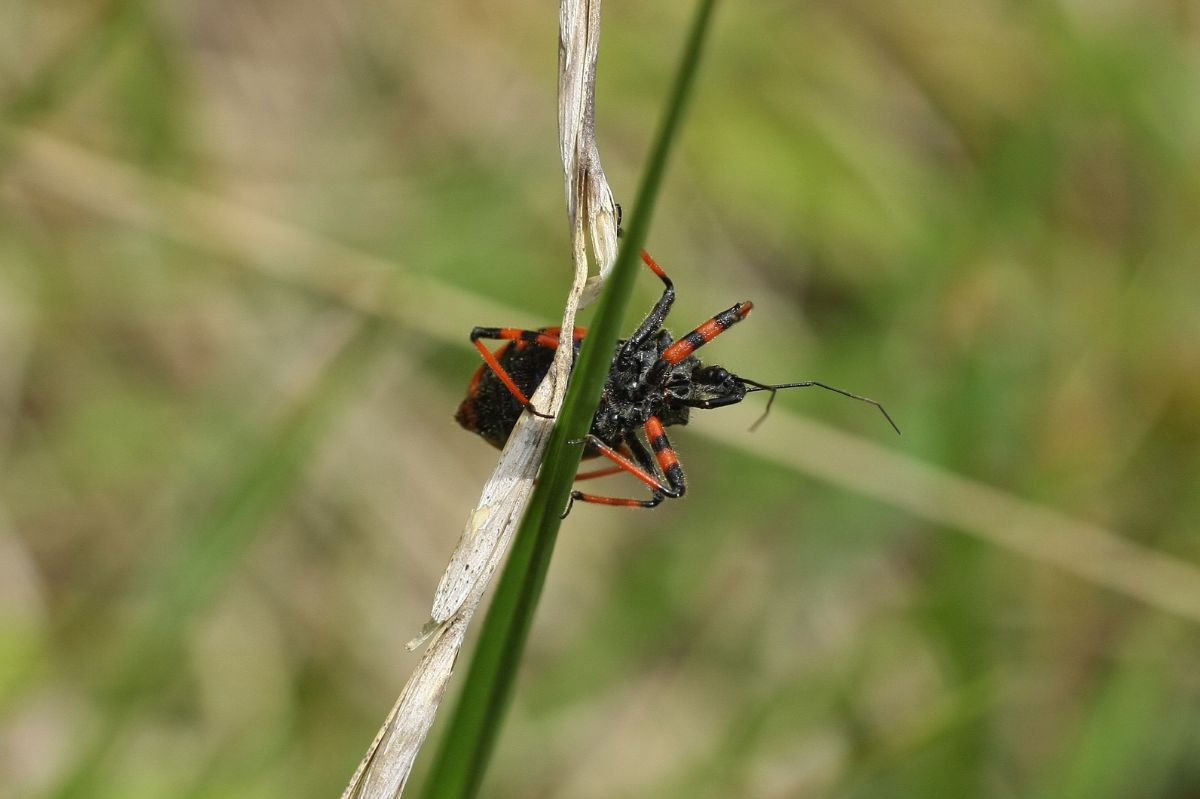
488	534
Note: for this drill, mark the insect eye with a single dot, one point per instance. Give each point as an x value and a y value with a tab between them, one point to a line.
713	375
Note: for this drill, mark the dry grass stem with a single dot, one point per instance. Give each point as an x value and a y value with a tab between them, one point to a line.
490	528
587	188
1041	534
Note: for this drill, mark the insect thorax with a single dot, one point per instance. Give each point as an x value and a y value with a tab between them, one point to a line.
632	394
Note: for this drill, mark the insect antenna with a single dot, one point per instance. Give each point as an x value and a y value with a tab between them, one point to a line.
756	386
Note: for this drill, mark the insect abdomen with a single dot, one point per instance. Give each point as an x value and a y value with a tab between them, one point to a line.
490	409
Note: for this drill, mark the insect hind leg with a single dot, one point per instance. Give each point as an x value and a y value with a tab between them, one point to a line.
644	470
546	337
658	314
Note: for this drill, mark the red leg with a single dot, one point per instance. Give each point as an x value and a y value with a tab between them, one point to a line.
501	373
656	269
606	471
683	347
667	460
579	496
546	337
622	465
658	314
556	331
626	465
599	473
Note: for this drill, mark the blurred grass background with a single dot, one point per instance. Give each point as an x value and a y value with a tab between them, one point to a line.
242	244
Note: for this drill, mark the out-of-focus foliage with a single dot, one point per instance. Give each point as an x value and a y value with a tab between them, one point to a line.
225	497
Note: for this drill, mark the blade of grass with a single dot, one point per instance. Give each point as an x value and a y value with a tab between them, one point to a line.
473	728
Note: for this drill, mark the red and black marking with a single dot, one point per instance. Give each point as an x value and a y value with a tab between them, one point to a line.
668	461
500	388
706	332
654	382
671	484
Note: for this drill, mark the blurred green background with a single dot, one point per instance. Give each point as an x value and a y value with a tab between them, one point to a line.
242	244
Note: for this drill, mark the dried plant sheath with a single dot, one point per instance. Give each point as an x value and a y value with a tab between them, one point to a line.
485	536
384	770
389	760
590	207
587	189
488	534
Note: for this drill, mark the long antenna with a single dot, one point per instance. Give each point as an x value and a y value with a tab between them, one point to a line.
807	384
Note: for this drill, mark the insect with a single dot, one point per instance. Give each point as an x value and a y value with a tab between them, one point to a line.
654	382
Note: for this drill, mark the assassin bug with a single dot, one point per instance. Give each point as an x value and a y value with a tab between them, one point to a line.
654	382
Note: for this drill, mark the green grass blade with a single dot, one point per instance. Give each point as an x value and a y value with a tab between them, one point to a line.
474	726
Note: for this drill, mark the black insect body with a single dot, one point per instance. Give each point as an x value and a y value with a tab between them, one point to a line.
653	383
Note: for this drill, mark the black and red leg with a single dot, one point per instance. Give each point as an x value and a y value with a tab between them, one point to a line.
544	337
670	485
685	346
668	461
606	471
658	314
